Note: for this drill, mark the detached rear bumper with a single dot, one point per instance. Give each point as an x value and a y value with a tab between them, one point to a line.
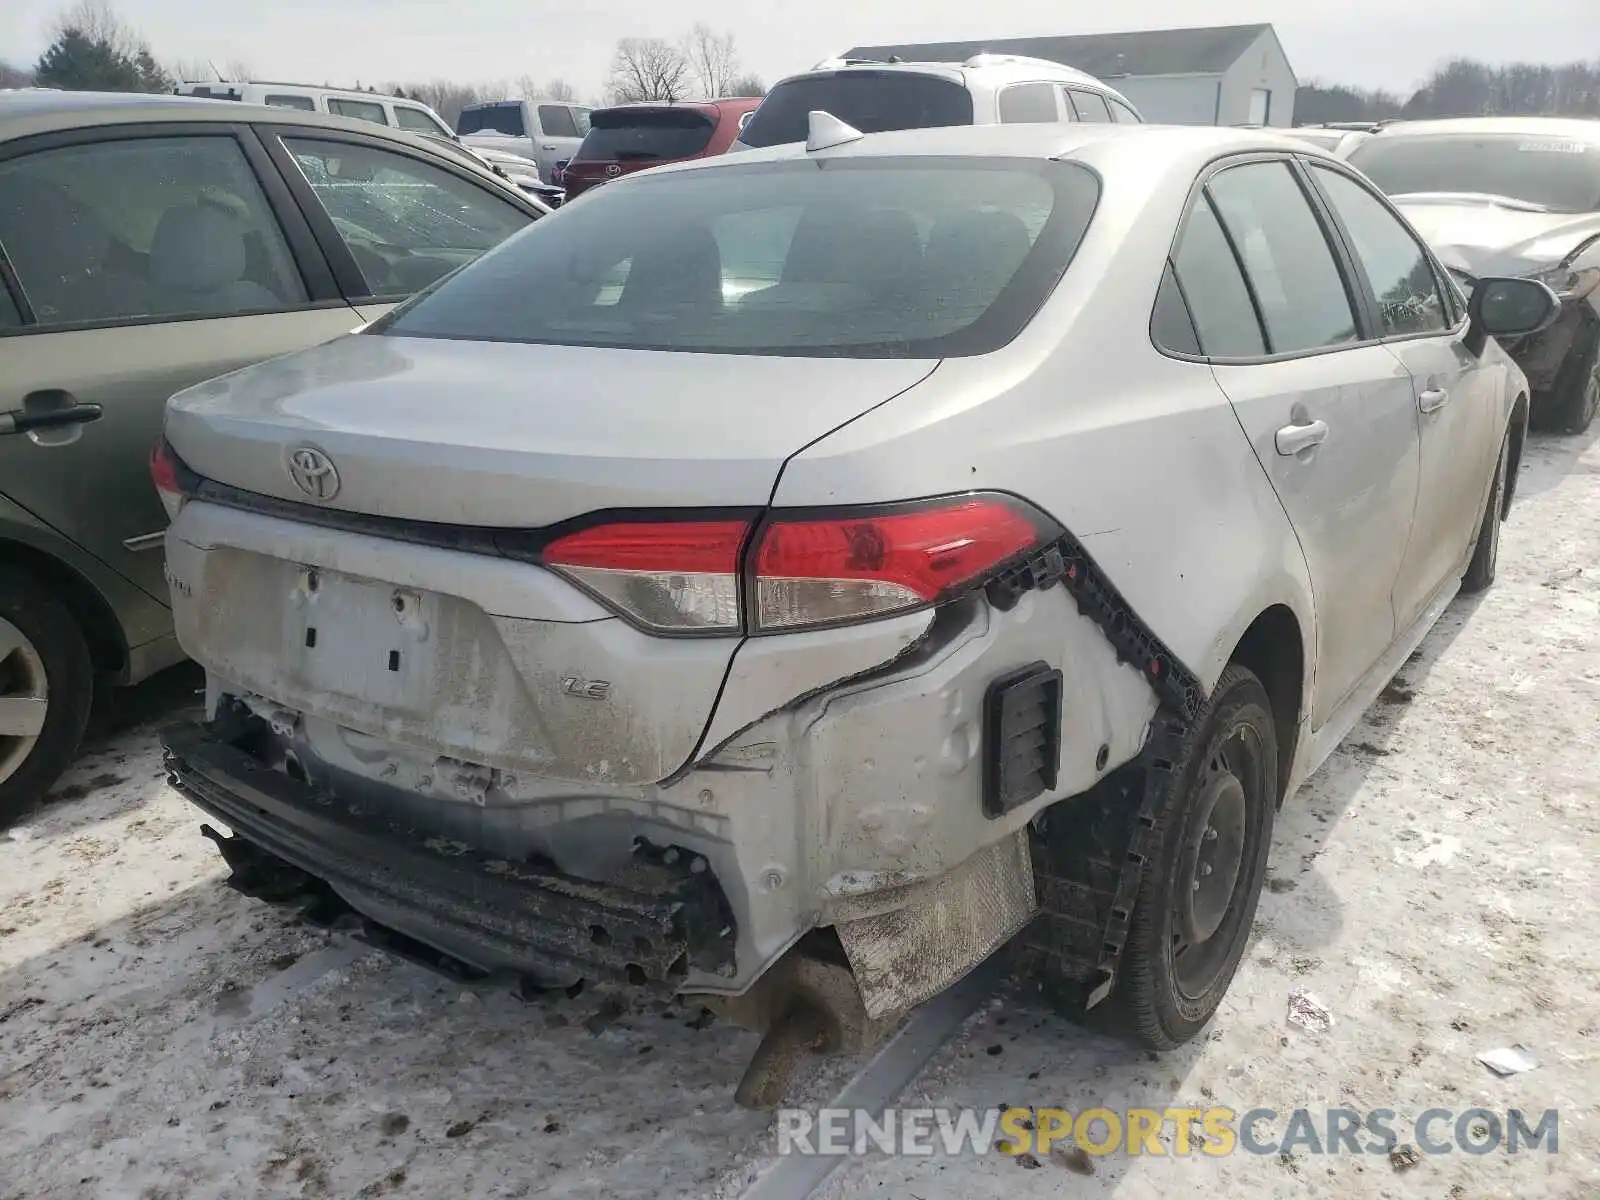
516	919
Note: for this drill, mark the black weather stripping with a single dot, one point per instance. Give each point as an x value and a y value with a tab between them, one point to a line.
1021	737
1065	561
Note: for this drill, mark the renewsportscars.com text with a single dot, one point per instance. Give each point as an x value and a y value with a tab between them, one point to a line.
1213	1132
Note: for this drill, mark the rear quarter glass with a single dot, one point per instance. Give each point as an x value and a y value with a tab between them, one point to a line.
868	258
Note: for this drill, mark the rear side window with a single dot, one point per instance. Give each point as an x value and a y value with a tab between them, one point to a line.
405	222
492	118
645	135
303	103
878	258
144	228
556	120
1029	104
360	110
416	120
1224	317
871	101
1122	114
1089	106
1291	268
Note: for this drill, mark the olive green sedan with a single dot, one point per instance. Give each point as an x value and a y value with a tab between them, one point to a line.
148	243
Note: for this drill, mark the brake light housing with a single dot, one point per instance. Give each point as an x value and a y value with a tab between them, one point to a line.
173	479
798	569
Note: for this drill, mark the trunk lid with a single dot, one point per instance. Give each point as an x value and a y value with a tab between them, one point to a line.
522	436
475	669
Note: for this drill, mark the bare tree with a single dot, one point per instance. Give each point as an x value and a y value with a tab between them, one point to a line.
97	21
528	88
712	59
560	89
237	71
747	85
445	98
648	69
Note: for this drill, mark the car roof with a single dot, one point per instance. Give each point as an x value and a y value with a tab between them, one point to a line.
1098	144
23	114
1572	128
710	108
993	68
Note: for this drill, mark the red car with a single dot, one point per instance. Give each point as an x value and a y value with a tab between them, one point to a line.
632	137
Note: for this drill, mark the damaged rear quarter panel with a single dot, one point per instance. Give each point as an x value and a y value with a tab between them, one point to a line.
1138	455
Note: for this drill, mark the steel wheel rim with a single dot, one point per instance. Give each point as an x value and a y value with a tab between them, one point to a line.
24	698
1215	864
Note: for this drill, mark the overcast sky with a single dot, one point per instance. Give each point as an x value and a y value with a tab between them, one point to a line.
1390	43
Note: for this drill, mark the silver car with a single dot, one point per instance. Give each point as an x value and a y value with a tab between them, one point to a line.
1512	196
912	540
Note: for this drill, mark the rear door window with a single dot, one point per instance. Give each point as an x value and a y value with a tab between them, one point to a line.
555	120
492	118
1291	268
360	110
406	222
1089	106
645	135
302	103
871	101
1029	104
144	228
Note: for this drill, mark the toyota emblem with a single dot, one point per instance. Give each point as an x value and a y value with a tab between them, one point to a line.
614	169
313	473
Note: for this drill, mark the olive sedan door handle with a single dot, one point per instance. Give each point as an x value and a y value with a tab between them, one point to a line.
1292	439
48	410
1432	399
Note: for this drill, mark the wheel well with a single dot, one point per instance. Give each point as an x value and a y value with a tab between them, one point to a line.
1273	649
1518	432
98	623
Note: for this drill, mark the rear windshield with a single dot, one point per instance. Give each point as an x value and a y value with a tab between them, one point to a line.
1555	173
492	118
871	101
863	258
645	134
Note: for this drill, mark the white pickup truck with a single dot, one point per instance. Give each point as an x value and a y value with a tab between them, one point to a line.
546	131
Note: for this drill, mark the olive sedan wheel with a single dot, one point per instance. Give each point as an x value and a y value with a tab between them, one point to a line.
1197	899
46	690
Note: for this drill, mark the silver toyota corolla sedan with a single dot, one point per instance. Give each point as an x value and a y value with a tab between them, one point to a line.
785	578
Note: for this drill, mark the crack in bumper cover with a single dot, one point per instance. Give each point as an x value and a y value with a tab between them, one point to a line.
648	927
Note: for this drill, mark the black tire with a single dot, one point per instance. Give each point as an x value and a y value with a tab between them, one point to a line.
1486	554
1168	989
54	637
1571	404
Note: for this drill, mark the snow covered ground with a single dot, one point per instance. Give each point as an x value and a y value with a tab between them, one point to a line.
162	1038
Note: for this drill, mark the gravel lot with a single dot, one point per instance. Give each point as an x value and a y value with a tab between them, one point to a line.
162	1037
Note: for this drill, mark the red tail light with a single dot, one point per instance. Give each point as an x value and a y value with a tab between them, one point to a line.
802	571
168	473
826	571
669	576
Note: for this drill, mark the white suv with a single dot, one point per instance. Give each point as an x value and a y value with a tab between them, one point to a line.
987	89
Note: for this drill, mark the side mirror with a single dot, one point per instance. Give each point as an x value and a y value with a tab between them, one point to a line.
1511	308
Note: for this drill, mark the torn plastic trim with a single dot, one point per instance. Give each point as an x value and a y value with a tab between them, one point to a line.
1066	562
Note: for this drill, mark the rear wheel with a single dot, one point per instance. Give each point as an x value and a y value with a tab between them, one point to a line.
46	691
1486	555
1203	878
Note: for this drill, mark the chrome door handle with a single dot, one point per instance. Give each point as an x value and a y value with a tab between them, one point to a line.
1432	399
1292	439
